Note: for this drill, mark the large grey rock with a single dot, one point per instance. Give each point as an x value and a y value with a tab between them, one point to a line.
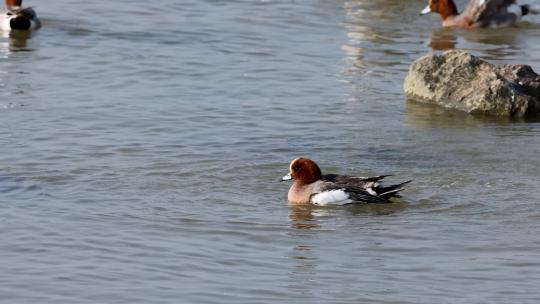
458	80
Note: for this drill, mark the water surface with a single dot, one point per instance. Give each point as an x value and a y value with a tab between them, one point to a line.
141	147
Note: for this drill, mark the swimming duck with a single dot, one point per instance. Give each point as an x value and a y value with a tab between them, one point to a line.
479	13
16	17
311	187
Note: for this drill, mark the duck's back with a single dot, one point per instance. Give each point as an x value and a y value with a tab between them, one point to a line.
329	193
484	13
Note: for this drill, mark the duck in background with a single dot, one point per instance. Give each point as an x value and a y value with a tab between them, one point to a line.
311	187
16	17
479	13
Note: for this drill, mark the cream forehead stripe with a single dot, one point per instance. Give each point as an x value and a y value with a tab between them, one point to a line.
292	163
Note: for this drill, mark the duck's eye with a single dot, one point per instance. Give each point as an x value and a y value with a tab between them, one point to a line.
296	167
9	13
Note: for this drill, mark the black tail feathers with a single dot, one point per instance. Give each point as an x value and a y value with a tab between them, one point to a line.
388	192
525	10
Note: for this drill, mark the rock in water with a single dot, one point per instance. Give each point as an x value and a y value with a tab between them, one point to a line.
458	80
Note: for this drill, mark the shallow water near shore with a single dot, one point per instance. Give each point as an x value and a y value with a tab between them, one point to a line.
141	148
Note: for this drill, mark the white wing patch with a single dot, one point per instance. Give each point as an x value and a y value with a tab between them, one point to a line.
4	25
371	191
333	197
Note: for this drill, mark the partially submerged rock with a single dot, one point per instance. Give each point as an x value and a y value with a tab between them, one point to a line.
458	80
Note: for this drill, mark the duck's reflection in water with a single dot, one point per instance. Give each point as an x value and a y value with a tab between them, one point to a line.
304	224
302	217
13	72
308	224
14	41
495	43
443	40
310	217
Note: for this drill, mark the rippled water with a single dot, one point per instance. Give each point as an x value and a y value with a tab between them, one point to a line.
141	145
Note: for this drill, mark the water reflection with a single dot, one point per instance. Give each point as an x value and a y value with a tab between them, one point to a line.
308	223
302	217
14	41
302	273
481	39
429	115
498	37
443	40
375	38
312	217
303	220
